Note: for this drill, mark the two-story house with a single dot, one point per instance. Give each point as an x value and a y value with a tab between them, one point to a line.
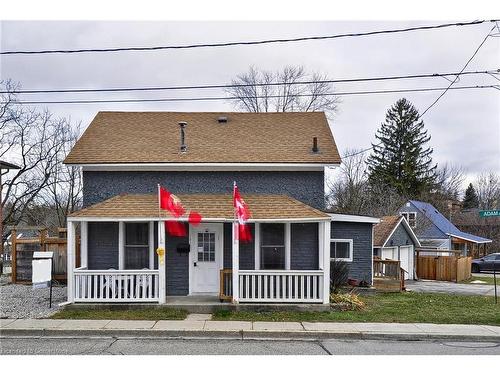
278	161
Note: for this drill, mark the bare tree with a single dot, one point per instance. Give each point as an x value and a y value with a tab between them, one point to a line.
288	90
36	141
449	180
488	190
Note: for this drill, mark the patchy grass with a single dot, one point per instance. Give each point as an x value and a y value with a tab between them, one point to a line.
391	308
134	314
487	280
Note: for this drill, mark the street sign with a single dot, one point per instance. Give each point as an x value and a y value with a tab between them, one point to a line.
489	213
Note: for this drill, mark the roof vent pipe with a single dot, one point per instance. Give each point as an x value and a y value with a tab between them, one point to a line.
182	125
315	147
222	120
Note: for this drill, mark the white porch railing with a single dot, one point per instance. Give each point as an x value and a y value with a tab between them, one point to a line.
281	286
116	285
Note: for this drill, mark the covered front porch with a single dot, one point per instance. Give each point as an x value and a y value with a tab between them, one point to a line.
287	260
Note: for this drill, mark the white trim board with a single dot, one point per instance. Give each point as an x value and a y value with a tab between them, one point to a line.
205	220
204	166
354	218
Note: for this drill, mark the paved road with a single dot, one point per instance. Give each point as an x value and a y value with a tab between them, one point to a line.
103	345
450	288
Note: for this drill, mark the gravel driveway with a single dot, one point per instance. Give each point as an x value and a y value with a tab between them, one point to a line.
450	288
22	301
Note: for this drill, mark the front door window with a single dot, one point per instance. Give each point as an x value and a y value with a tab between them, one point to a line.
206	247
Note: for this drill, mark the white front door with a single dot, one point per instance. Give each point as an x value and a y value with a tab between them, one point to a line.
205	258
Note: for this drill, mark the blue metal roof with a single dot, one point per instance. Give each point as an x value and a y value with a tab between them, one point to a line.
444	224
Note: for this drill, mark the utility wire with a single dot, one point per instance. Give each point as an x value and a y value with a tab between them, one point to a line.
236	85
443	93
245	43
213	98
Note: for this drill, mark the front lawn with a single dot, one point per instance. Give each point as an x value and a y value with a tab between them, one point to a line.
405	307
134	314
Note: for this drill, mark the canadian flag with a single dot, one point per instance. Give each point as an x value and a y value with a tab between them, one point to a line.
172	203
242	215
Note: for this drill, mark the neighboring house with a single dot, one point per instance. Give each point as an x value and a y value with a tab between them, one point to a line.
394	239
278	161
435	231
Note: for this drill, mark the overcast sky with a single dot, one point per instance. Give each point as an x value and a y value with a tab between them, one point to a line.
464	125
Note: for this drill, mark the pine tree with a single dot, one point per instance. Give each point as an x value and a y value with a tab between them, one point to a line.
471	199
400	159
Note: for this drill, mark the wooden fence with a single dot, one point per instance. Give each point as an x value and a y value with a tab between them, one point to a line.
22	254
444	268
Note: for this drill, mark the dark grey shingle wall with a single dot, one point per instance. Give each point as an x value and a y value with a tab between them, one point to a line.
304	246
400	237
247	250
177	266
307	187
102	246
361	234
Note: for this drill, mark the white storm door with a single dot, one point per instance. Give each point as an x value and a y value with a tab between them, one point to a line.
206	255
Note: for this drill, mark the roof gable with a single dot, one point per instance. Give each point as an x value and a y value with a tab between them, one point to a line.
154	137
388	225
443	224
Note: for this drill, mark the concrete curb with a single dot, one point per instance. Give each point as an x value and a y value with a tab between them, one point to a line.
242	335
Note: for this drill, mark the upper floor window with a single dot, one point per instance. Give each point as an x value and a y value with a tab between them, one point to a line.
411	218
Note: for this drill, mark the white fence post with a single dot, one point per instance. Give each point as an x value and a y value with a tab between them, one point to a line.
162	297
84	244
236	264
70	255
326	261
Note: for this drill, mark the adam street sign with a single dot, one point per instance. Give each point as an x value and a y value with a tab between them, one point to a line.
489	213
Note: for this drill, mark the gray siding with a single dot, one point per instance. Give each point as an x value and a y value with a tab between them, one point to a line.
361	233
307	187
102	246
400	237
304	246
177	267
247	250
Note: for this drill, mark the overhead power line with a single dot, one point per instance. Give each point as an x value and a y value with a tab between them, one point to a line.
214	98
235	85
245	43
490	33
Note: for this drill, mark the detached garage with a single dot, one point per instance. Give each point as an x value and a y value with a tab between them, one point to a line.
394	239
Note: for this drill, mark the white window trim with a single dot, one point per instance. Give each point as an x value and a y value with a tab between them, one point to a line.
351	248
406	215
288	245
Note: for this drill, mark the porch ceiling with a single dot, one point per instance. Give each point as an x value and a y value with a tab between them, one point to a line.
210	206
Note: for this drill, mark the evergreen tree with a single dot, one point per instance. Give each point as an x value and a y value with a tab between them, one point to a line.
471	199
400	158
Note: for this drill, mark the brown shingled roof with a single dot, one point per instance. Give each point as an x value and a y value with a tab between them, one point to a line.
154	137
383	230
210	206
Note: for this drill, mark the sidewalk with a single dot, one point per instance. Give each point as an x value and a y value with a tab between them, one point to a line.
244	330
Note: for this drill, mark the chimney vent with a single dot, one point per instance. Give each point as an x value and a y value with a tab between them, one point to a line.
315	147
182	125
222	120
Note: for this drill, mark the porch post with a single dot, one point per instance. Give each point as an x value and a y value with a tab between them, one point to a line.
84	244
326	261
70	256
236	264
161	264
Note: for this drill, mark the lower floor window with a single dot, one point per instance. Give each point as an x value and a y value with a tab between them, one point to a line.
272	246
341	249
136	246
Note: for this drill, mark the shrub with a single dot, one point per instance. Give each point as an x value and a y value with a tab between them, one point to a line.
339	273
349	300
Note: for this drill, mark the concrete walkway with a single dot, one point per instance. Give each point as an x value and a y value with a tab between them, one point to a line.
244	329
450	288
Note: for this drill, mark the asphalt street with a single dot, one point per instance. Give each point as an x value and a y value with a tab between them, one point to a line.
194	346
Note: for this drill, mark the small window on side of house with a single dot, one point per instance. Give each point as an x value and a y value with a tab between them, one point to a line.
341	249
411	218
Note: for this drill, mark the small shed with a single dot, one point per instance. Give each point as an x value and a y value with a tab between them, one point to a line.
394	239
